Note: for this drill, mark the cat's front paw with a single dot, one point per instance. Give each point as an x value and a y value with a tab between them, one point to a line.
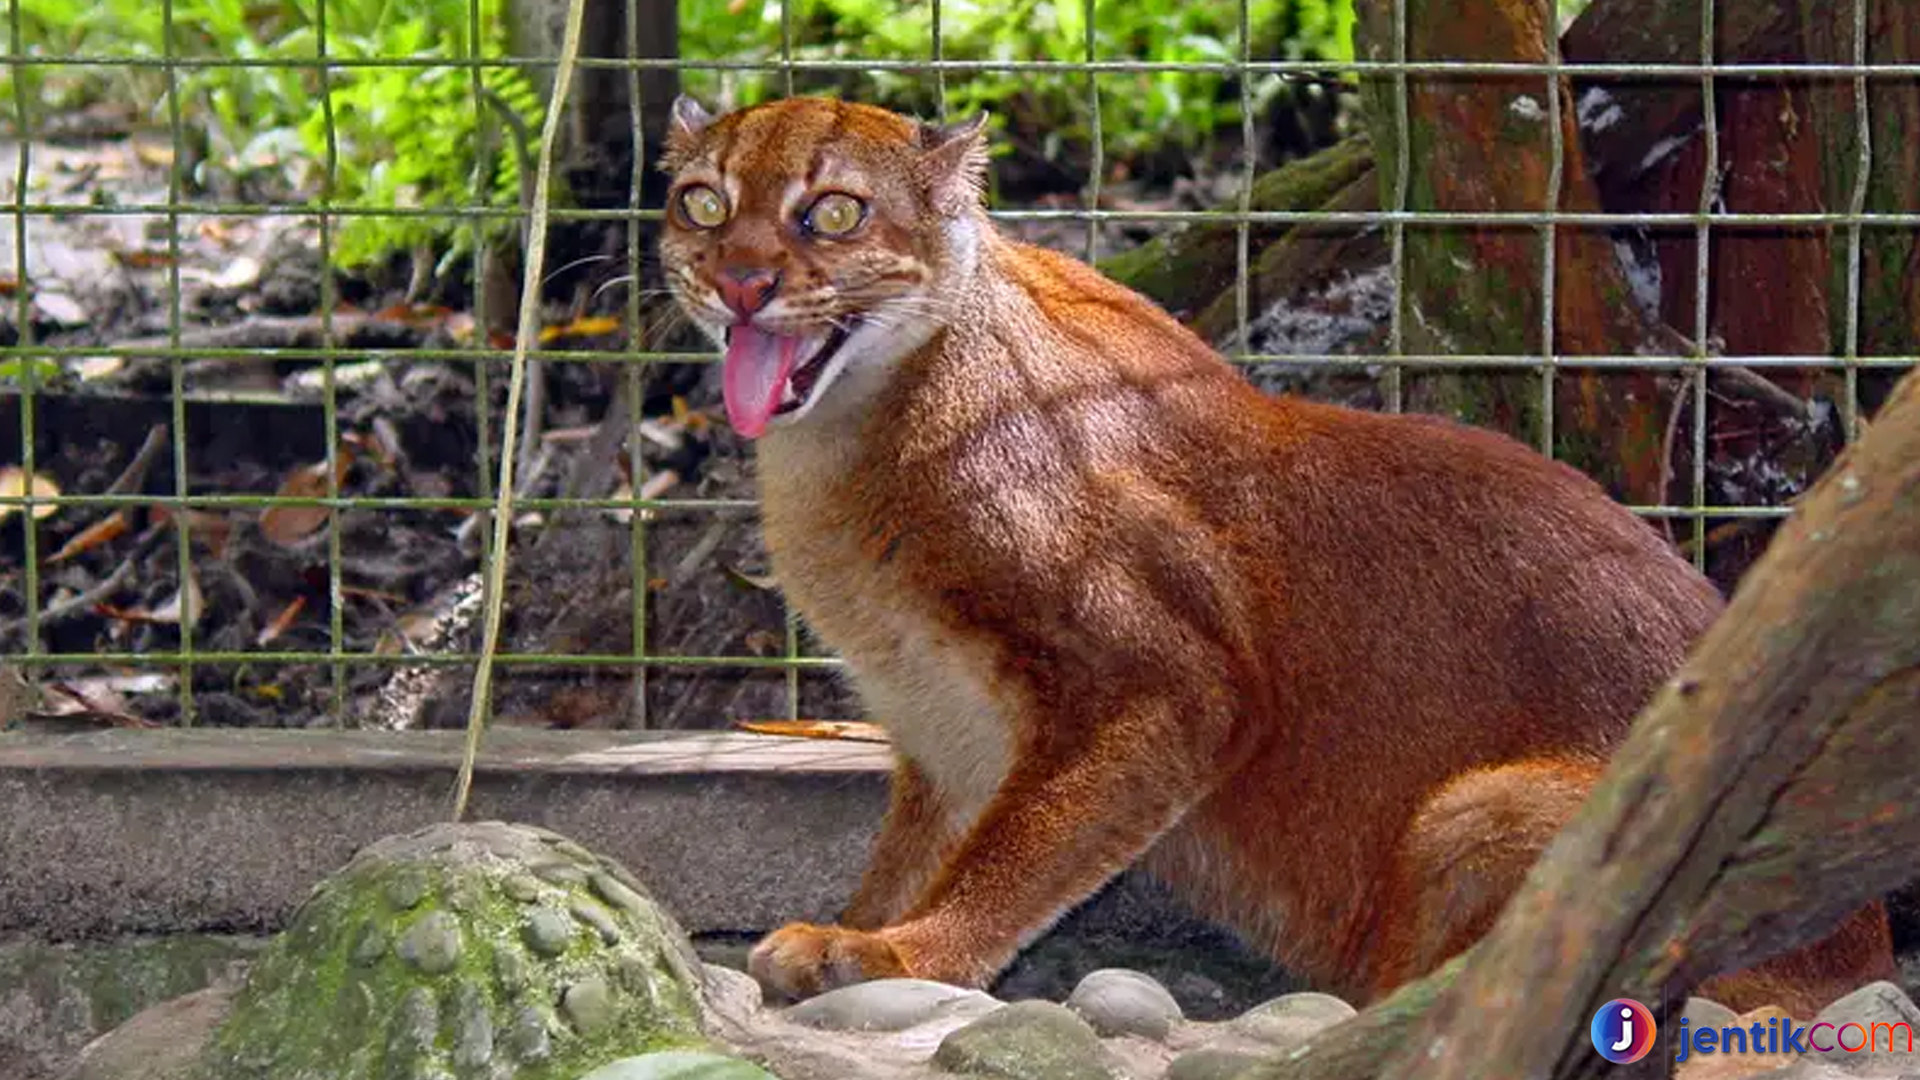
800	960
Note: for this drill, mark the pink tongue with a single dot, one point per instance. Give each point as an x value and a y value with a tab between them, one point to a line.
754	374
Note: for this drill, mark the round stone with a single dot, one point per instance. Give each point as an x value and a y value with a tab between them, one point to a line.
610	889
588	1005
1121	1002
597	917
881	1005
369	944
414	1024
512	968
432	943
679	1065
455	993
1211	1063
407	889
559	873
522	887
473	1035
1290	1019
527	1039
1700	1012
549	932
1028	1040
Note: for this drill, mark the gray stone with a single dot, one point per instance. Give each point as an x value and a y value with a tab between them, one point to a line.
560	874
1028	1040
619	894
680	1065
160	1043
1121	1002
522	887
1290	1019
880	1005
55	999
432	943
415	1025
548	931
1702	1012
595	915
512	970
527	1037
371	944
473	1035
588	1005
1879	1003
406	891
1211	1063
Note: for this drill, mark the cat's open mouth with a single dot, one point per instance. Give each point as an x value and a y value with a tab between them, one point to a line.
800	384
765	374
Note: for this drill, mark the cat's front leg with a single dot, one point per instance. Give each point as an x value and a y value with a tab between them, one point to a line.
914	838
1061	825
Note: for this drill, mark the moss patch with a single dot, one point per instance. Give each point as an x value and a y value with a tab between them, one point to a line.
458	951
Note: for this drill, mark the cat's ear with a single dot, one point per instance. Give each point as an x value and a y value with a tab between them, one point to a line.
953	163
687	120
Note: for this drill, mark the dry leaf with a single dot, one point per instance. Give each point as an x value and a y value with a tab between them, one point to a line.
89	368
204	526
88	701
591	326
13	483
142	260
288	525
186	604
849	730
241	273
104	531
281	622
61	309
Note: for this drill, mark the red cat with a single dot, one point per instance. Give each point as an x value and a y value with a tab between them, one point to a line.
1337	676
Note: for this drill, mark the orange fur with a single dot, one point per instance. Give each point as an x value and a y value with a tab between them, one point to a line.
1338	676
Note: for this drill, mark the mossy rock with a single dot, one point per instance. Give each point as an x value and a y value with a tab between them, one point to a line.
483	950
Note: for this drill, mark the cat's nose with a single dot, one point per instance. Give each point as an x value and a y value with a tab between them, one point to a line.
747	291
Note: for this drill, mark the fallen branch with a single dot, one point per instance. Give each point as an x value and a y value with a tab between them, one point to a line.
350	330
1762	797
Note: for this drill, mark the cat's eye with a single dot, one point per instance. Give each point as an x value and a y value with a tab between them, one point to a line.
835	214
703	206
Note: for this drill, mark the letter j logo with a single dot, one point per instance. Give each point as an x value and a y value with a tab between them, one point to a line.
1623	1031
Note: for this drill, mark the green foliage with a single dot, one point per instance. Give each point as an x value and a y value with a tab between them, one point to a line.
1139	112
409	137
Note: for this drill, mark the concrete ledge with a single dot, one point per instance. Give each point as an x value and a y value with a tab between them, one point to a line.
128	832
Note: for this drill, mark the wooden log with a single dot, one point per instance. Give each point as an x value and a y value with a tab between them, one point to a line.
1763	795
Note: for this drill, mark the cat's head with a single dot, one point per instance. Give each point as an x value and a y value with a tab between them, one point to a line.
818	242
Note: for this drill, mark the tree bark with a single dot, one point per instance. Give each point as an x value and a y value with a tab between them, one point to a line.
1889	297
1763	795
1188	270
1484	144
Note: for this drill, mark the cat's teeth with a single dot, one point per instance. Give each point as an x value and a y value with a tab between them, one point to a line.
787	396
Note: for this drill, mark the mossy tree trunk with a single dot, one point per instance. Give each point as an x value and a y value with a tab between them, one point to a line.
1485	144
1764	795
1889	296
1188	271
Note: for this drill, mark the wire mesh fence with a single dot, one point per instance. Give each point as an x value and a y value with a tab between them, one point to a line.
314	488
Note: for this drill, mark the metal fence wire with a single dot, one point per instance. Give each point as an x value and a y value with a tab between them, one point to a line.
76	573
